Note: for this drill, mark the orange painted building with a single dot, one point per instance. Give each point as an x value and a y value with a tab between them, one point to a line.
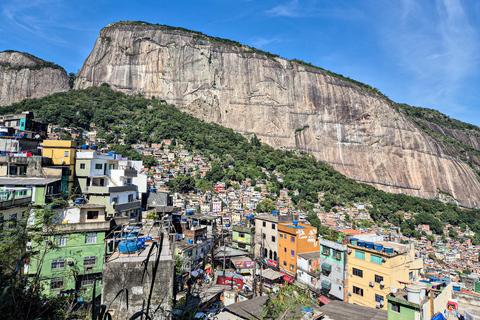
292	240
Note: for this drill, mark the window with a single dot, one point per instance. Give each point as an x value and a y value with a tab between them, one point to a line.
273	238
285	249
91	237
292	239
358	272
264	236
66	154
92	214
378	298
358	291
410	275
325	251
395	307
241	235
98	166
242	245
312	280
273	226
360	255
89	261
87	280
82	165
375	259
60	240
281	235
56	284
378	278
130	198
293	253
292	267
337	254
284	263
111	166
58	264
264	224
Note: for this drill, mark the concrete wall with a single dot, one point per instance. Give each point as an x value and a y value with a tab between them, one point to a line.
117	276
338	274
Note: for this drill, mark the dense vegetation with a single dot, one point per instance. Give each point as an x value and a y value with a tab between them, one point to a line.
236	157
40	64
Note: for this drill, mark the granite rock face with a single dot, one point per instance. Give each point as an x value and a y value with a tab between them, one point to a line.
285	103
25	76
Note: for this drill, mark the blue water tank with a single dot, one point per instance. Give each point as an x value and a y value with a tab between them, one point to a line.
378	247
195	223
369	245
227	225
295	222
112	153
184	219
456	288
84	146
354	241
130	246
275	213
153	190
361	243
388	249
79	201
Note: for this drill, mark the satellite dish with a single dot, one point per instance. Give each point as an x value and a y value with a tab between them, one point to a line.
393	289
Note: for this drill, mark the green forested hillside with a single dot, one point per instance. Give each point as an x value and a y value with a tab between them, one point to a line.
140	119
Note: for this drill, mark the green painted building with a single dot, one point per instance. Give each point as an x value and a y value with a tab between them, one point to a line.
71	255
243	238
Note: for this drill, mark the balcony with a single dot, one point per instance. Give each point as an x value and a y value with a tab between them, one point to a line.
15	202
108	190
127	206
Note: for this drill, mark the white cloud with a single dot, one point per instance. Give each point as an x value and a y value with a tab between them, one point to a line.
438	45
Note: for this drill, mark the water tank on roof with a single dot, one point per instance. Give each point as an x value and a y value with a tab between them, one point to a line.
275	213
84	146
388	249
361	243
112	153
378	246
295	222
94	147
79	201
369	245
413	294
153	190
353	241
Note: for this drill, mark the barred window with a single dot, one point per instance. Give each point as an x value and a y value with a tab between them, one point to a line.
58	264
56	284
91	237
358	291
60	240
358	272
89	261
87	280
378	298
375	259
378	278
360	255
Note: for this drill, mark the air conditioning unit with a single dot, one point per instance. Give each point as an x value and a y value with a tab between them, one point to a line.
382	283
384	259
371	284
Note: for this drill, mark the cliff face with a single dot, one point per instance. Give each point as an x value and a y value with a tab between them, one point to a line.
285	103
25	76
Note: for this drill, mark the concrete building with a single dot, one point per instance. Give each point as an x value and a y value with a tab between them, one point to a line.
13	203
267	246
308	270
374	267
243	238
125	271
62	152
73	258
109	180
333	269
413	302
294	238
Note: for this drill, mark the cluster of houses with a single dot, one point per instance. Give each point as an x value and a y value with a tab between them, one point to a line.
112	217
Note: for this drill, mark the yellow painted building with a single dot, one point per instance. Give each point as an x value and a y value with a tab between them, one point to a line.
62	152
371	271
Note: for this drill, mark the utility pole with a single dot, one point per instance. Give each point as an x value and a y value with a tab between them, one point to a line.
224	273
261	269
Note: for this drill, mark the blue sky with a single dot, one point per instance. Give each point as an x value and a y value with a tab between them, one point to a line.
424	53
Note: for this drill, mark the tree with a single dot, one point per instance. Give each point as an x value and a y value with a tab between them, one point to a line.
266	205
286	304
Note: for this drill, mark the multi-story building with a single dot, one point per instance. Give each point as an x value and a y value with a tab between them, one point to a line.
266	236
243	237
73	256
375	266
333	269
294	238
105	180
308	270
13	203
62	152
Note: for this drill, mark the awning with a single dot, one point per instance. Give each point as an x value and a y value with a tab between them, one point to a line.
327	267
271	275
324	300
288	278
326	285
